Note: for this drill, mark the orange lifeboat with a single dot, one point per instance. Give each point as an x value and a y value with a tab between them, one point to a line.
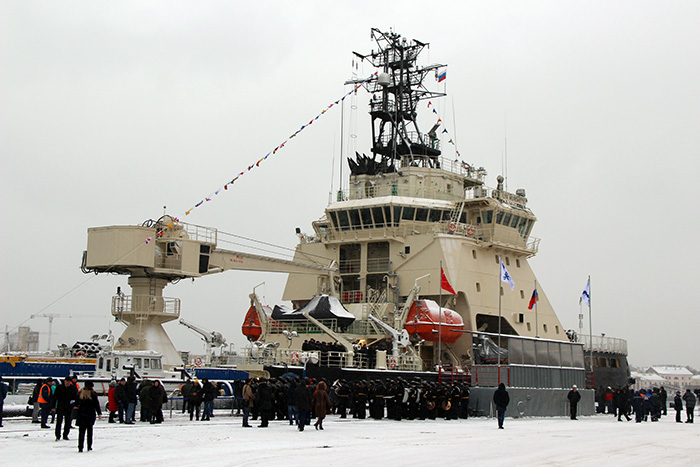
251	324
424	317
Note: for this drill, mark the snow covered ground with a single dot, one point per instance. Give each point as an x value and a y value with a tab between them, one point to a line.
599	439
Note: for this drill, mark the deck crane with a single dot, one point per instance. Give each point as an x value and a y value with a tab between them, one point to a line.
159	252
212	339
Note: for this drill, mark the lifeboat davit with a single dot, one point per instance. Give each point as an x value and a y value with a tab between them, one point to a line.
424	317
251	324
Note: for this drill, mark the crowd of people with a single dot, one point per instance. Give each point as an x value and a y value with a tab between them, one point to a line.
646	405
66	402
297	401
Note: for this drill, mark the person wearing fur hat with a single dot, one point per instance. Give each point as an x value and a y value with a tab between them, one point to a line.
574	397
88	407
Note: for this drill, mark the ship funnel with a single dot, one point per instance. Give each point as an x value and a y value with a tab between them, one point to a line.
384	79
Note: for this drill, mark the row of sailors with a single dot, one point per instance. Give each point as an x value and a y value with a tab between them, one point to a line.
395	399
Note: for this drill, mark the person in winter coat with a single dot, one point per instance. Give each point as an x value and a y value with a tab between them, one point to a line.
501	399
194	399
321	403
112	405
120	397
131	400
263	397
690	400
638	406
158	398
185	393
248	401
574	396
209	393
3	394
34	400
302	400
64	400
144	391
678	406
88	406
45	399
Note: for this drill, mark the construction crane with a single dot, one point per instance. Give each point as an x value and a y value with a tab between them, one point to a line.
211	338
51	316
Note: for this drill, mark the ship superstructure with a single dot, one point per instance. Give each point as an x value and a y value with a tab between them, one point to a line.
409	209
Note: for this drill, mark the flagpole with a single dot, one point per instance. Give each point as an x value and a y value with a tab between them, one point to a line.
440	324
537	326
499	319
590	321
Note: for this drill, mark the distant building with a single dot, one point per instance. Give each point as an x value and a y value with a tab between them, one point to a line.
676	377
647	380
24	340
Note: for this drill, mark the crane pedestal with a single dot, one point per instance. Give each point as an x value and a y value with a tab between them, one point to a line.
144	313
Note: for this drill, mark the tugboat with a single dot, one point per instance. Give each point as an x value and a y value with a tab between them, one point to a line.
419	268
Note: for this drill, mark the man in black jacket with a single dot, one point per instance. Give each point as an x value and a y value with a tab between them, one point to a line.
574	396
302	400
501	399
64	398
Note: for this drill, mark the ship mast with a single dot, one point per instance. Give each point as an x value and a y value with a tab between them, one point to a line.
396	91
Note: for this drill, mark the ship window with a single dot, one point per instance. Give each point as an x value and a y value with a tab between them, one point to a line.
566	357
334	219
407	250
366	218
445	215
474	254
487	216
100	363
544	327
529	356
116	362
507	261
556	329
449	188
517	262
378	214
463	218
554	353
422	214
108	367
478	287
499	217
542	353
155	364
514	223
522	294
387	215
435	215
355	219
397	215
614	363
137	363
343	220
521	227
408	213
529	327
528	228
506	219
146	363
497	259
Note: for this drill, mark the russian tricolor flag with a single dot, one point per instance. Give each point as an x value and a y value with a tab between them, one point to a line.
442	76
534	298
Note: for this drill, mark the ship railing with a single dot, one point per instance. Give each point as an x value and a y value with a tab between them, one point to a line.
604	344
200	233
145	304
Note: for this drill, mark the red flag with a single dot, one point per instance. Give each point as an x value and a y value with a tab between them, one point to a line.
445	284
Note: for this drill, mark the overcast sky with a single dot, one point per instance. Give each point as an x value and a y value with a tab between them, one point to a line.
111	110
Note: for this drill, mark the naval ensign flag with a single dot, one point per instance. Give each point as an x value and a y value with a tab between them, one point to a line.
586	295
505	277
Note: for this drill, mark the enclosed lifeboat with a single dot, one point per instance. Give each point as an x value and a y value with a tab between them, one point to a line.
251	324
424	317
